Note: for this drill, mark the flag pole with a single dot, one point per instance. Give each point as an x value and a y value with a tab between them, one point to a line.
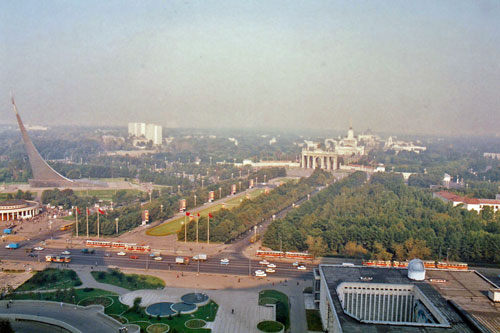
185	229
197	219
98	213
208	228
76	221
87	211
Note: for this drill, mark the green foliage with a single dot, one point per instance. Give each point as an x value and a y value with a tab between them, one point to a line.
314	321
282	305
227	225
51	278
386	219
128	281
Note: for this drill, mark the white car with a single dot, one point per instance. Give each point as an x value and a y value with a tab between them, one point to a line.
270	270
271	266
264	262
121	254
39	248
260	273
302	267
224	261
158	258
66	252
295	264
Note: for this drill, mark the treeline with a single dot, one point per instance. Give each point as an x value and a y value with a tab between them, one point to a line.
227	225
385	219
19	195
129	217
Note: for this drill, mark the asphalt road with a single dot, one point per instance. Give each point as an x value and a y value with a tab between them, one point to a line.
236	266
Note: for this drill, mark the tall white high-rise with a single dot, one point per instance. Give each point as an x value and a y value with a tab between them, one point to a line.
151	132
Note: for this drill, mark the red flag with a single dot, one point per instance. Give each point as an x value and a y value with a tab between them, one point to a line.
88	211
78	210
198	214
101	211
188	213
210	215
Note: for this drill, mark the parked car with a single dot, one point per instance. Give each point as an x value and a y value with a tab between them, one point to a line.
264	262
121	254
302	268
158	258
224	261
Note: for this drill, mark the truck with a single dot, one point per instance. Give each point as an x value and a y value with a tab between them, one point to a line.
182	260
12	246
200	257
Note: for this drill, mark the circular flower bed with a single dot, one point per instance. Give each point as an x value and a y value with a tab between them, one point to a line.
158	328
195	323
270	326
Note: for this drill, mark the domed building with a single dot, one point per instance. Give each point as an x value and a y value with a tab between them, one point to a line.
16	209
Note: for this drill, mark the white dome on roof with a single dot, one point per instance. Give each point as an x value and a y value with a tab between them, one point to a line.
416	270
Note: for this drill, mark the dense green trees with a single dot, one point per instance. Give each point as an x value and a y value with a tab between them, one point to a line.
227	225
386	219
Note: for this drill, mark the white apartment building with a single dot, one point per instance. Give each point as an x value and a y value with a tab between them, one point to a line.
151	132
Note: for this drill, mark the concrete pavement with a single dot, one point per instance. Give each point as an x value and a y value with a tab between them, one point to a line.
69	316
88	280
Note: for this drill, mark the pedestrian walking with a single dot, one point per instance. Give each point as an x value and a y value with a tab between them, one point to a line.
232	311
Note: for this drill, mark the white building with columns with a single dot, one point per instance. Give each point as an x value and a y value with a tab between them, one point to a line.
17	209
347	148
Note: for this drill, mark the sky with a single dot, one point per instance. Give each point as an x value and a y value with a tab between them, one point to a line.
425	67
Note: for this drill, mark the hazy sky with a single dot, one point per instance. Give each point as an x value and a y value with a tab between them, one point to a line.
402	66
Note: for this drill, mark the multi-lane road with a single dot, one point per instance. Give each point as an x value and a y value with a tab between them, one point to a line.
236	266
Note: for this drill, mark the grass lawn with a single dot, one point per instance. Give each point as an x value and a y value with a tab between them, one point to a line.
101	194
129	281
282	305
314	320
51	278
122	312
174	226
80	294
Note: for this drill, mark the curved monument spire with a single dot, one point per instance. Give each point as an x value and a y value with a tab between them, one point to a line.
43	174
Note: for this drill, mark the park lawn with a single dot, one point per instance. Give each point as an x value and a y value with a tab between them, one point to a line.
314	320
174	226
139	317
51	278
129	281
206	313
80	294
101	194
282	305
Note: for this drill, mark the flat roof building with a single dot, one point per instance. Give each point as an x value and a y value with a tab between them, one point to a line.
373	299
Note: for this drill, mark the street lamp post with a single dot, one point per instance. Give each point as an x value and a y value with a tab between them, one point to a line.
220	192
116	221
195	200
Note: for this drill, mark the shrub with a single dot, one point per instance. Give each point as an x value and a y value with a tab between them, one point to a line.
87	290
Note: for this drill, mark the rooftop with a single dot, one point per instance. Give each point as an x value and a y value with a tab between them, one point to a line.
335	275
